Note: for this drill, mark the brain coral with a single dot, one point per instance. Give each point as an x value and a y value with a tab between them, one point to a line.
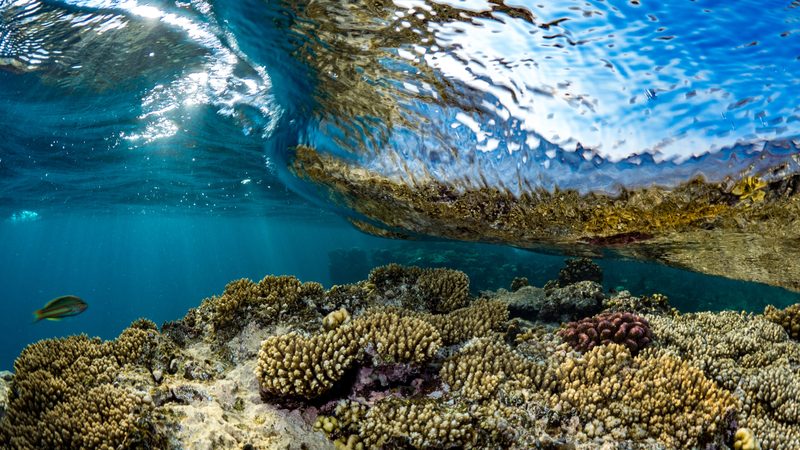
618	327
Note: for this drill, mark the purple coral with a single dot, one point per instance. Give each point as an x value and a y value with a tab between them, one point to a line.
617	327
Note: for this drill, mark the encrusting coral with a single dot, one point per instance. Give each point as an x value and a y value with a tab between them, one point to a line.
623	328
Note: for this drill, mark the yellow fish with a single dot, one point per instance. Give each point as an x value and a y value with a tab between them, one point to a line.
57	309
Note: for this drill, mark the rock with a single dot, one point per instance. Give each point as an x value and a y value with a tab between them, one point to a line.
158	375
173	366
5	389
559	304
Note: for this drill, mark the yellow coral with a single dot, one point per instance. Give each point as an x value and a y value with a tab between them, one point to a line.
744	439
336	318
751	188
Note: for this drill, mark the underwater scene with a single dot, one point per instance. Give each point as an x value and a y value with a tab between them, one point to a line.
399	224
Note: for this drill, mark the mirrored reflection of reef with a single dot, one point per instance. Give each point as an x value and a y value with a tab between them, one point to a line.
746	228
409	359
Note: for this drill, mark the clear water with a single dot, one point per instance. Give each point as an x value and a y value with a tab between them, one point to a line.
144	144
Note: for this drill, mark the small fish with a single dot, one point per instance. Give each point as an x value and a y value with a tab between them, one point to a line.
57	309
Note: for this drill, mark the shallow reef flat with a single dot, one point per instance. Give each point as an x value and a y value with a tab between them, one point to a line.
411	358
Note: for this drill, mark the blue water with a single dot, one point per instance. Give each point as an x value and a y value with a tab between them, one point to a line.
144	144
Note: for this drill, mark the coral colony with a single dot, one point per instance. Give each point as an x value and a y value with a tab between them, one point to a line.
409	358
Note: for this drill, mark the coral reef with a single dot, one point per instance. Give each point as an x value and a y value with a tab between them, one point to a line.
291	365
788	318
645	304
579	269
517	283
557	304
745	354
623	328
436	290
66	393
613	392
478	369
284	364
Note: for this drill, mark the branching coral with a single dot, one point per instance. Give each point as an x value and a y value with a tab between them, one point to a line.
519	282
614	393
474	321
579	269
418	424
748	355
293	365
436	290
444	290
484	364
264	302
296	366
65	395
621	328
646	304
788	318
398	339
